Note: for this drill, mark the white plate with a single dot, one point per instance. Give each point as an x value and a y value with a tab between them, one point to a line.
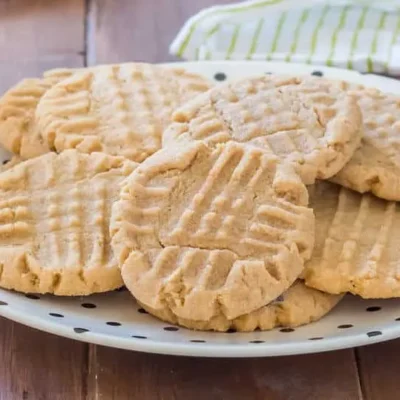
114	319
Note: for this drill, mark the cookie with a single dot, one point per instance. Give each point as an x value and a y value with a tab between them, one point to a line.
375	166
17	109
299	305
117	109
312	123
356	247
206	231
54	223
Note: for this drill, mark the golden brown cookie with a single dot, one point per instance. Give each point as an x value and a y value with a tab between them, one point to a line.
312	123
203	232
356	247
299	305
117	109
375	166
18	133
54	223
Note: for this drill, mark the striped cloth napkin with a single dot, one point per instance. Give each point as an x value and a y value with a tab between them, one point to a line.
363	35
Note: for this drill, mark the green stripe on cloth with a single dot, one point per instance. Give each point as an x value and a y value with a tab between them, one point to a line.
192	29
340	26
293	47
356	34
232	45
374	44
277	35
210	33
213	30
254	41
393	41
314	37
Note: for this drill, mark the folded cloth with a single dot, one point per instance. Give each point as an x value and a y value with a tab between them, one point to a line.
360	34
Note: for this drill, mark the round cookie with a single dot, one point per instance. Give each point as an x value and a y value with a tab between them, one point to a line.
117	109
356	246
299	305
311	122
375	166
54	223
205	231
18	133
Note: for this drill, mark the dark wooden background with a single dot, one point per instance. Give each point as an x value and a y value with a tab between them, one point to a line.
39	34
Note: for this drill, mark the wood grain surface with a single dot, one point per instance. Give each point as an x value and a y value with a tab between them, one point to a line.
31	40
40	34
123	375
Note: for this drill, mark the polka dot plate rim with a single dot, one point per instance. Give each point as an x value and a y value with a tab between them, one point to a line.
114	319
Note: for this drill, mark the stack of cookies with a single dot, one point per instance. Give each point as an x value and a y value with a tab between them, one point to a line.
214	205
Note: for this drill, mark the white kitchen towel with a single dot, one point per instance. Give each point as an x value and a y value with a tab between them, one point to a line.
358	34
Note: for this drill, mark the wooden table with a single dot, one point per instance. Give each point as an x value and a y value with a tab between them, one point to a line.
39	34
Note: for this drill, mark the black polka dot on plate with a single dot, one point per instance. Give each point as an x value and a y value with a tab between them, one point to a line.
171	328
80	330
316	338
220	76
287	330
139	337
317	73
88	305
373	309
198	341
345	326
374	333
3	303
32	296
142	311
112	323
256	341
55	315
397	319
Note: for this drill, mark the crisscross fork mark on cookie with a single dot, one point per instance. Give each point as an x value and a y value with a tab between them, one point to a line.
14	216
214	215
220	211
118	109
65	218
186	208
357	252
74	219
54	223
313	124
18	132
375	166
16	111
229	112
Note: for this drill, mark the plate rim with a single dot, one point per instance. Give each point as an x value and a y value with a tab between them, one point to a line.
209	350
